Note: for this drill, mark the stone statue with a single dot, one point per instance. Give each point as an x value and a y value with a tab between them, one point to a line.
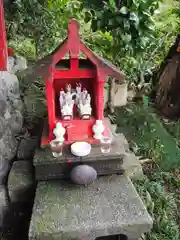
59	131
68	88
83	95
98	129
78	88
78	92
85	109
61	97
88	100
85	104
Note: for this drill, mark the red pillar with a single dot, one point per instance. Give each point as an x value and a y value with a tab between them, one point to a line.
3	42
101	79
50	95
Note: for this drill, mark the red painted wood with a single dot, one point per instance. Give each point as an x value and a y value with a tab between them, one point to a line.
50	97
3	42
45	138
74	64
101	79
10	52
73	74
92	79
59	54
61	83
73	38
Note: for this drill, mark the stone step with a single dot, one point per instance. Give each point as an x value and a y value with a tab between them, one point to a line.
110	206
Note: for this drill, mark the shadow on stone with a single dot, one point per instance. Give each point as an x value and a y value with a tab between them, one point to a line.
114	237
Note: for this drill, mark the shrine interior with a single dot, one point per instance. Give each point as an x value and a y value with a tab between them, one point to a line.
89	84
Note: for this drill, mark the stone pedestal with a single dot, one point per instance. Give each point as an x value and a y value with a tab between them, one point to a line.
109	206
47	167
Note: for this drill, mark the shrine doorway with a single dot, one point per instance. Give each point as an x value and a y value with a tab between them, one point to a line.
88	84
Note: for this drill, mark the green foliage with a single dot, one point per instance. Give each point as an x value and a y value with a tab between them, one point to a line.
131	25
174	129
159	194
141	37
44	22
127	32
24	47
147	136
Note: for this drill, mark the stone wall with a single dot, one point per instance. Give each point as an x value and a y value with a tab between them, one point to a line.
11	140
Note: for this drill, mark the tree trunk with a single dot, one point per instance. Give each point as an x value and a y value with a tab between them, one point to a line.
168	87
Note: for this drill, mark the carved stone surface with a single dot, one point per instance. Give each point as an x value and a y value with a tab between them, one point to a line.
48	167
17	104
4	205
5	167
20	181
8	145
12	85
26	148
3	104
16	121
11	120
2	126
16	63
109	206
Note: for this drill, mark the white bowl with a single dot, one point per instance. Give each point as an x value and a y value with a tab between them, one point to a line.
80	149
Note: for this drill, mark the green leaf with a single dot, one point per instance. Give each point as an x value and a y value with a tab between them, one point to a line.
145	100
111	22
127	38
136	3
123	10
119	19
112	3
87	16
126	24
134	17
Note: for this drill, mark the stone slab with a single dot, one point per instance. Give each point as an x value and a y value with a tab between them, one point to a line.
47	167
21	181
109	206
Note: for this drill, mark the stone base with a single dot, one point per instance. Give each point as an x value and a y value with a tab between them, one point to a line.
47	167
108	207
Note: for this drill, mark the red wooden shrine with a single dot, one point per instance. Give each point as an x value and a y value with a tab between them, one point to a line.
90	71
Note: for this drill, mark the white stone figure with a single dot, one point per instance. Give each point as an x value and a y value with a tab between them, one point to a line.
66	110
98	129
59	132
68	97
78	88
85	109
68	88
84	94
78	92
61	97
88	100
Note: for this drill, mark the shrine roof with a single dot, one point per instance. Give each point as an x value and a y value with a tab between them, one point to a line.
74	45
